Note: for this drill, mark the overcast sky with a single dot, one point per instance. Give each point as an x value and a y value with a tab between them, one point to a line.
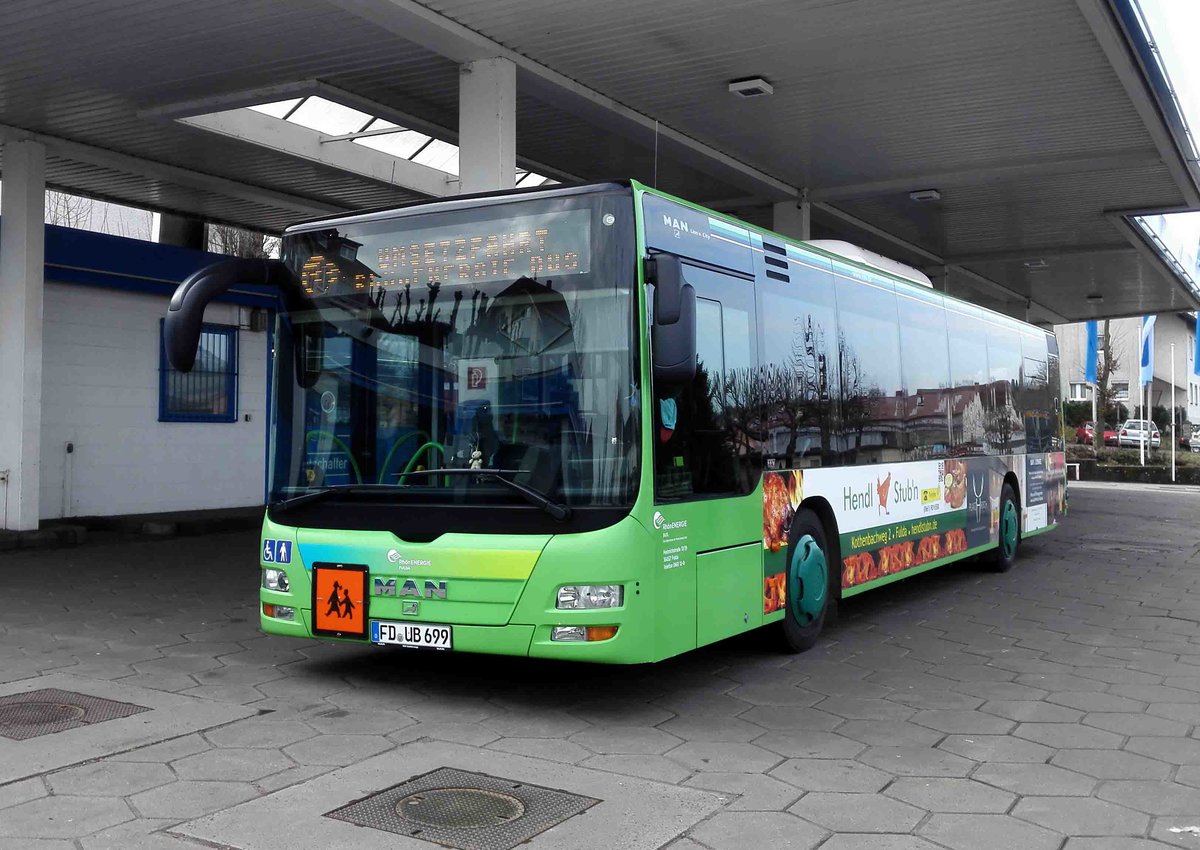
1175	30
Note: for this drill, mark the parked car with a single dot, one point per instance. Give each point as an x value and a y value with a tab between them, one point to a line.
1189	437
1083	433
1134	432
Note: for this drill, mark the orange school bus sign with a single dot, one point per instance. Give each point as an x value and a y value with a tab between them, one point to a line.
340	600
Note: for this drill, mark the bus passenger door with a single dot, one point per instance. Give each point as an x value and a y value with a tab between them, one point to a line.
707	460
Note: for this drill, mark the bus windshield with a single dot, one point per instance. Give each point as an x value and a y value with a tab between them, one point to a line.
498	336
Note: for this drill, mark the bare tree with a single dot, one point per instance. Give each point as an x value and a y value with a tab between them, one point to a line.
237	242
68	210
129	222
860	401
1002	423
1107	363
743	413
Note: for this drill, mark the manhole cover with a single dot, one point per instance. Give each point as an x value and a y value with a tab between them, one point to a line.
50	710
462	808
37	713
465	810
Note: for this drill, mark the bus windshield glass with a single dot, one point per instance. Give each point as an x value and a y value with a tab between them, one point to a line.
498	336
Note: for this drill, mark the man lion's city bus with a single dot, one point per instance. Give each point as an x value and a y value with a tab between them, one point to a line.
600	423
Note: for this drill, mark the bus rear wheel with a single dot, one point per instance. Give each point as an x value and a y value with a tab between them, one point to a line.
1010	531
808	585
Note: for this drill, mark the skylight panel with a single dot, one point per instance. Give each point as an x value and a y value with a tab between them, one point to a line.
440	155
340	125
325	116
278	109
403	143
528	179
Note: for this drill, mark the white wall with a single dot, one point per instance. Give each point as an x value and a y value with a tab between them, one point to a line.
1168	328
100	392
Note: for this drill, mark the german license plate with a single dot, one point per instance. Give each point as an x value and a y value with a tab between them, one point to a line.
417	635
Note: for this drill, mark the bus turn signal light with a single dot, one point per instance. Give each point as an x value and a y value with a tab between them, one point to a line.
580	634
279	612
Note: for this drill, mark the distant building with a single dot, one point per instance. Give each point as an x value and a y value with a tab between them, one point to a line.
1177	328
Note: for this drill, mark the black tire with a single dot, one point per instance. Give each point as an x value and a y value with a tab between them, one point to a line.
798	636
1007	547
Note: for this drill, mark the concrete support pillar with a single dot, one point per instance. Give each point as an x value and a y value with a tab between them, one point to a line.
182	231
487	125
793	219
22	262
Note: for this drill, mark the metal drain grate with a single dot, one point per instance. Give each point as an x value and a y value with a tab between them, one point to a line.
51	710
465	810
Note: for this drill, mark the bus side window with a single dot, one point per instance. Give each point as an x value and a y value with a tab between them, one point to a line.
1036	395
970	396
798	322
868	363
925	365
1004	428
702	444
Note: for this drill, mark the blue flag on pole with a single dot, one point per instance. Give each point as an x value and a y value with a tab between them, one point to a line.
1147	364
1196	356
1093	347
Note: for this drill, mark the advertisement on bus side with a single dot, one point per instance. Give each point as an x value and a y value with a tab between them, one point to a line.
896	517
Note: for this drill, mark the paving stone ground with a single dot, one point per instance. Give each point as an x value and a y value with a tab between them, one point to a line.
1054	706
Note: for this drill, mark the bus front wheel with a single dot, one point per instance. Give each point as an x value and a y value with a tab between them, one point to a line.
808	585
1010	531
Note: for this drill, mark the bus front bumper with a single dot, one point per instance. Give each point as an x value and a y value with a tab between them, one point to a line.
512	639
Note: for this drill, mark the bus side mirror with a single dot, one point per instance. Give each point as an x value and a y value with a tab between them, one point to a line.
185	315
673	332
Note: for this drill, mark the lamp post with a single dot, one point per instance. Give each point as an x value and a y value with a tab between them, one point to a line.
1172	412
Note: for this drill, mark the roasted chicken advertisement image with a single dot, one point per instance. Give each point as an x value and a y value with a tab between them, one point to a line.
954	484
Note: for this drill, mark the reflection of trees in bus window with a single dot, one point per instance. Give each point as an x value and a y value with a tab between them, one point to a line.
1005	428
799	376
970	396
713	447
868	358
1035	399
925	365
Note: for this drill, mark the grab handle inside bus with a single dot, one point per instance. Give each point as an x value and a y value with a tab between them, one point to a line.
673	332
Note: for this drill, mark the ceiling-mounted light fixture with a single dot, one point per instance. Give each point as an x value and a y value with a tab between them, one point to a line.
1036	264
925	196
1094	297
751	87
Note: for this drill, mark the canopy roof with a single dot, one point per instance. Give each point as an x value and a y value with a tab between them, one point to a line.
1038	122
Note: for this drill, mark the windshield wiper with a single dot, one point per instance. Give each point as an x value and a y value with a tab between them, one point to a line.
336	489
535	497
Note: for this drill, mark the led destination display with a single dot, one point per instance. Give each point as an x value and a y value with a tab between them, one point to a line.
536	246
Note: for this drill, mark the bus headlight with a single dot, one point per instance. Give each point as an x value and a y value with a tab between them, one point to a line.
582	596
275	580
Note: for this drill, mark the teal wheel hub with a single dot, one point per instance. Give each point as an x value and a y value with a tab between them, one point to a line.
1008	530
808	580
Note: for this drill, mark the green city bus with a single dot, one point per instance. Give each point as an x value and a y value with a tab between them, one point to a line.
604	424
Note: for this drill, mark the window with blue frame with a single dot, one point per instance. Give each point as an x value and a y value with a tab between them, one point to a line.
208	393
